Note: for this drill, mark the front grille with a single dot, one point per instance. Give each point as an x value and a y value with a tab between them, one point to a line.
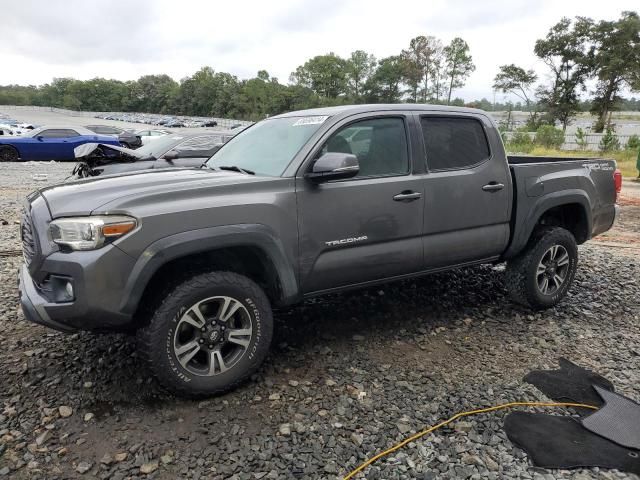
28	241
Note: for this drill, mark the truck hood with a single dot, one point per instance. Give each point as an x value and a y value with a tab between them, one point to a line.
84	196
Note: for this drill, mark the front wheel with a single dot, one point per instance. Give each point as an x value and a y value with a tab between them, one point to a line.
541	275
208	335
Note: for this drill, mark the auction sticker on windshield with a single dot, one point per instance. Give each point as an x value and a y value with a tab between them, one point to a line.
311	120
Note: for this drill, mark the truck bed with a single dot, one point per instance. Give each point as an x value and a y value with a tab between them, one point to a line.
541	183
524	159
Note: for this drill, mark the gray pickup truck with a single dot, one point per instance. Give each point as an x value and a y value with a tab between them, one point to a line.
298	205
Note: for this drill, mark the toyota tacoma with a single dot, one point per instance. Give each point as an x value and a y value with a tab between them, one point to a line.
299	205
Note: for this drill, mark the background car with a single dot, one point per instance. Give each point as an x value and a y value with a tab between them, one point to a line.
127	138
149	136
170	151
49	143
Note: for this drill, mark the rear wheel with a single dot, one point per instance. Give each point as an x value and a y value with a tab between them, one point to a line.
542	274
8	154
208	335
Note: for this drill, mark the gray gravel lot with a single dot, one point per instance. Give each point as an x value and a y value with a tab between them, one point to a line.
349	375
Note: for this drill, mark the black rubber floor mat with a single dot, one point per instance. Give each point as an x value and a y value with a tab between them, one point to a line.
562	442
618	420
570	383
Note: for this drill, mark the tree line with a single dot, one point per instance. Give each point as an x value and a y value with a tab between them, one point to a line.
427	71
578	51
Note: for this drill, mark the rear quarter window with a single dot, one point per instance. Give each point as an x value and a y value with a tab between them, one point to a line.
58	133
454	142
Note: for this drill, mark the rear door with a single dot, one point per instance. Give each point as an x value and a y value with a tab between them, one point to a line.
66	140
368	227
467	190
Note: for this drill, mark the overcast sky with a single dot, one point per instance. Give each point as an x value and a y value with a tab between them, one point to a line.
124	39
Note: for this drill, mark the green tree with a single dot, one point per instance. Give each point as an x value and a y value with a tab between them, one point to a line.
384	84
520	141
609	141
616	62
419	65
358	68
207	92
458	64
259	97
324	74
518	81
633	143
549	136
153	93
566	52
581	139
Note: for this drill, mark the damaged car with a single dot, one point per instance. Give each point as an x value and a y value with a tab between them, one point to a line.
127	138
170	151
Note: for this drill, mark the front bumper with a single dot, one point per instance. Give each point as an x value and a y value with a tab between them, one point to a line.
99	278
33	303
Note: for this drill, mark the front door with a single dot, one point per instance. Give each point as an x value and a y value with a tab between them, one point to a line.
368	227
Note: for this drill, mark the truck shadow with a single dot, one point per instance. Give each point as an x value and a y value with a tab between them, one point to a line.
349	325
119	379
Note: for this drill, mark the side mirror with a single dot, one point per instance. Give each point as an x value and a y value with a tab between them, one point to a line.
171	155
334	166
39	137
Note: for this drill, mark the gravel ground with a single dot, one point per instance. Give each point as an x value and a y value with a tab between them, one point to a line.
349	375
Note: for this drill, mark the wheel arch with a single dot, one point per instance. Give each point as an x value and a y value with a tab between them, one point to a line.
251	250
569	209
13	146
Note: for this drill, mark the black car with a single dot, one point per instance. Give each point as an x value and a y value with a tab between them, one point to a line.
170	151
126	138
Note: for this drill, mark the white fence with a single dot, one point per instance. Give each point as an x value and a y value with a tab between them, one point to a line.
591	140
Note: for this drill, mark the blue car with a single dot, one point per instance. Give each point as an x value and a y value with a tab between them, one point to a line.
49	143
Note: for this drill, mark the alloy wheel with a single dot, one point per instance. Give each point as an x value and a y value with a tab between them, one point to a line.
552	270
212	336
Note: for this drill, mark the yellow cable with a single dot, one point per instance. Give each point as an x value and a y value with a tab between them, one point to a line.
454	418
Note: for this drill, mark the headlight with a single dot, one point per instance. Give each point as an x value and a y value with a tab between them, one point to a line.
89	233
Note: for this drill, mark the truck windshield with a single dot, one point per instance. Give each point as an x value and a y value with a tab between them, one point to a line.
267	147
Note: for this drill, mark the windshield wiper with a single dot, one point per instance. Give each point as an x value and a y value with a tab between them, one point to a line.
235	168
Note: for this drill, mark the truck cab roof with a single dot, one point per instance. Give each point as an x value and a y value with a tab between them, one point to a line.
378	107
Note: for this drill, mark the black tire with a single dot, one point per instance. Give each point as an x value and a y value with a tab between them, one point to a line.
159	340
525	282
8	154
125	145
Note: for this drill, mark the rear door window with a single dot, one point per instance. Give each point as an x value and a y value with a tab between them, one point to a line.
454	142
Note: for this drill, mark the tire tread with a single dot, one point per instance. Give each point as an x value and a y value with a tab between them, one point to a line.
516	273
148	334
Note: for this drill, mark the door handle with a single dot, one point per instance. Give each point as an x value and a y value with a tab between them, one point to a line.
407	196
493	187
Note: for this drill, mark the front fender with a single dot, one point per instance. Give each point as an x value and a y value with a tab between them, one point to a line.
197	241
524	225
